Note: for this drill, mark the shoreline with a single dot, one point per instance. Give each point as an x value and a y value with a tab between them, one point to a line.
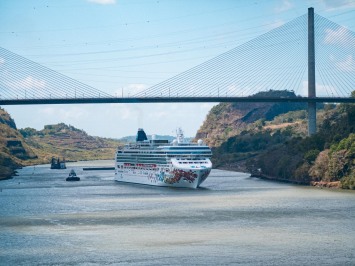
11	172
8	172
334	185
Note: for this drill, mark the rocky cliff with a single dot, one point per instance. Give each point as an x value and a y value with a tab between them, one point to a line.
230	119
13	148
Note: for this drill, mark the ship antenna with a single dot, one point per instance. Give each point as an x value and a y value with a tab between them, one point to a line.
180	135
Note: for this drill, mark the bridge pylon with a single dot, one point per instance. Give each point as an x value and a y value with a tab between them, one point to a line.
312	115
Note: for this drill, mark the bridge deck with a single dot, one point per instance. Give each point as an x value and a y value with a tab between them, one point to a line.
171	100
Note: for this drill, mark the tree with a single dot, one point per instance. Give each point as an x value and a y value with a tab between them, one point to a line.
319	171
311	156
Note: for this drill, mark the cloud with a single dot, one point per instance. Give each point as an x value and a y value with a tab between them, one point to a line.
275	24
338	4
2	61
205	107
66	114
284	6
103	2
28	83
321	89
339	36
348	65
231	89
129	112
130	90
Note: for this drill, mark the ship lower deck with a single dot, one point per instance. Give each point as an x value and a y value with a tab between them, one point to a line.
165	177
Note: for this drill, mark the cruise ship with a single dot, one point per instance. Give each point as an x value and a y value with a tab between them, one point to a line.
160	163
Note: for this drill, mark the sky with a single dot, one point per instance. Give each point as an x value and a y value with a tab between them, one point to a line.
122	47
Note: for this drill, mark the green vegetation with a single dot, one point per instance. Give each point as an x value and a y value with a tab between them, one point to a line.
311	156
308	159
337	164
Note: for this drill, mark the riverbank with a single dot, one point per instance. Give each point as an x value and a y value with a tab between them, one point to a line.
6	173
9	171
10	167
240	167
323	184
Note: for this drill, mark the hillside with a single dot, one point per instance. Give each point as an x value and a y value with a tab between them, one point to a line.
279	148
325	157
226	120
66	141
13	148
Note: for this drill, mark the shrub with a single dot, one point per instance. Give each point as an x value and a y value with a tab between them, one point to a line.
311	155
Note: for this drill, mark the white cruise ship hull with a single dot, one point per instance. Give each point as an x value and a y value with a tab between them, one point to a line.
182	177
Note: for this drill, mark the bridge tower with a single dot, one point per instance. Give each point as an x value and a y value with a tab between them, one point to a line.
312	118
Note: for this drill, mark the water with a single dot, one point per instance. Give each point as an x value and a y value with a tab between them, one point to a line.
233	219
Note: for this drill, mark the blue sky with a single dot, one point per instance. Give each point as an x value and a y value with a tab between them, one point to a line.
125	46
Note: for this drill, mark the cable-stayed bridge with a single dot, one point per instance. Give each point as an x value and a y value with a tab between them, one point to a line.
310	55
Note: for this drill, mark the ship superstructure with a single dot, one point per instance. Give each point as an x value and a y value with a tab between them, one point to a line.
158	162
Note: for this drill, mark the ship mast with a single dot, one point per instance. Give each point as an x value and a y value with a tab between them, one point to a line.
180	135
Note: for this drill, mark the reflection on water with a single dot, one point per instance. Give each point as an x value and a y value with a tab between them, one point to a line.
233	219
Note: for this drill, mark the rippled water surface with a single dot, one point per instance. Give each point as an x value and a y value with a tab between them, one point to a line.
232	219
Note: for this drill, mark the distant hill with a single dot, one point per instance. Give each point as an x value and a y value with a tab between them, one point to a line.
66	141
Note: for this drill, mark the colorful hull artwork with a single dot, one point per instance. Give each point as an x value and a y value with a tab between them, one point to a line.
174	178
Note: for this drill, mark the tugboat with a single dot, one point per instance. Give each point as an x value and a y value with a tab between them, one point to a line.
72	176
58	164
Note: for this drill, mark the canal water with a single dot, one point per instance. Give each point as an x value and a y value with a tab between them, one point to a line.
233	219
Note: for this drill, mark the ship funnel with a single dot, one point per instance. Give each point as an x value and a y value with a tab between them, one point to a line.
141	136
